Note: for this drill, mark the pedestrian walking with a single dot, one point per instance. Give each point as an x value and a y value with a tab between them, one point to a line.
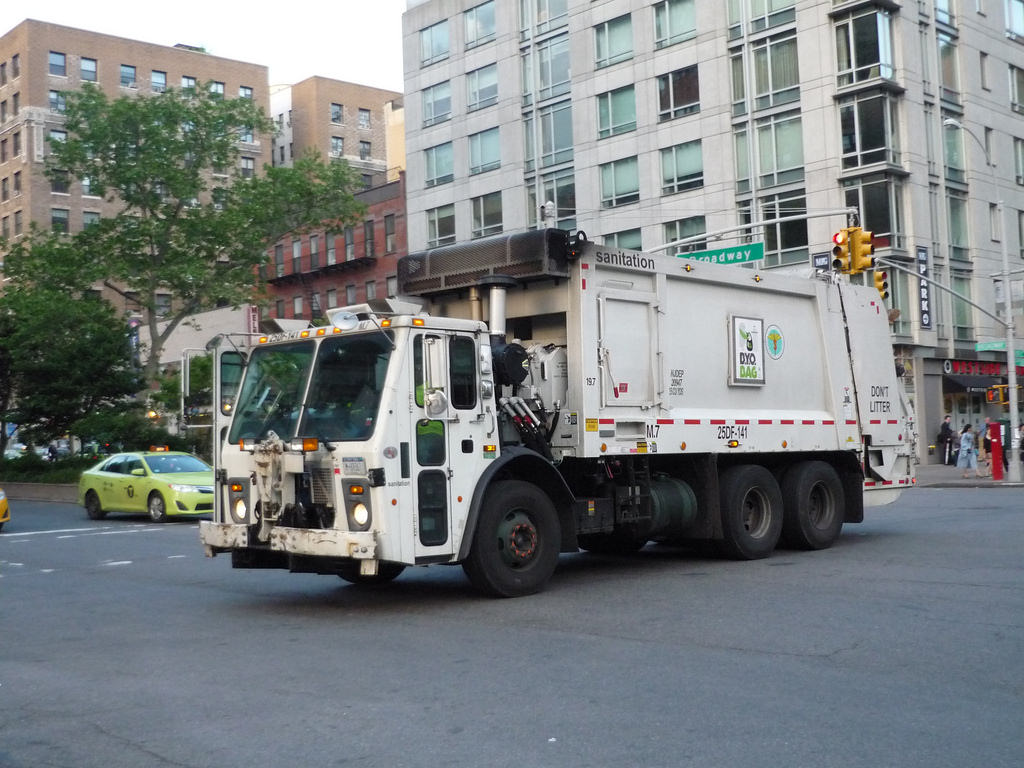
968	457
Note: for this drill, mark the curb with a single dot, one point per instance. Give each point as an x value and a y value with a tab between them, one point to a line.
41	492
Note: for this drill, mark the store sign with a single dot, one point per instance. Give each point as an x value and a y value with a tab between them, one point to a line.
924	289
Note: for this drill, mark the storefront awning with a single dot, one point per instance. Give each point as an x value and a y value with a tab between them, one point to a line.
963	383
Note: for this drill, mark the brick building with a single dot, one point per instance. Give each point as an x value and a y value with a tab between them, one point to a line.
40	60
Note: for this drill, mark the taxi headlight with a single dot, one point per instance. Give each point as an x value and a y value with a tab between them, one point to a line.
184	488
360	514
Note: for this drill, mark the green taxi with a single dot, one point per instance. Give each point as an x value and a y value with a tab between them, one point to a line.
5	509
158	483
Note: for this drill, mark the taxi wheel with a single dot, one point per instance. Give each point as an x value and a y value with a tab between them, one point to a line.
157	508
93	508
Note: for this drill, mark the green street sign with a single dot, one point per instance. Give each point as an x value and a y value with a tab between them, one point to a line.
996	346
737	254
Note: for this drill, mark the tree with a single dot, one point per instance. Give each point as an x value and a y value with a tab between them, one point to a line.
65	357
193	221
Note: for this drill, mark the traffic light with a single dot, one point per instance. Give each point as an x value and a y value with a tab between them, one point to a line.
862	247
996	395
882	283
841	251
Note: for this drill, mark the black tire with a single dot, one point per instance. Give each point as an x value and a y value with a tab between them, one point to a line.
813	505
516	543
156	507
385	572
93	508
751	509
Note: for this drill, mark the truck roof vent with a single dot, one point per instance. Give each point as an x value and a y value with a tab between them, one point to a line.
528	256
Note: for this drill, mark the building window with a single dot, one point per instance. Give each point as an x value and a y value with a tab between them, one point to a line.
337	112
864	47
949	76
763	13
620	182
482	87
314	251
437	103
441	226
90	218
678	93
59	219
16	144
785	242
1017	89
553	76
278	260
1015	18
613	41
371	289
776	72
17	183
364	119
57	101
244	92
434	45
350	244
486	215
18	227
440	167
367	179
963	313
58	64
60	182
332	298
16	65
350	294
674	21
331	242
959	233
248	167
391	286
188	83
629	239
780	149
87	69
296	256
365	150
484	151
158	81
279	308
5	190
3	73
869	135
162	304
369	247
480	24
616	112
1018	160
559	189
217	89
684	229
297	307
953	154
555	135
682	167
390	238
878	199
127	76
337	146
15	104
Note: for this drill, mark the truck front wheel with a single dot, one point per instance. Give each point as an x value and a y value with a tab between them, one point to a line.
751	508
812	497
515	547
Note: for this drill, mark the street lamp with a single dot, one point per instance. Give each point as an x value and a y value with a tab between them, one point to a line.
1013	465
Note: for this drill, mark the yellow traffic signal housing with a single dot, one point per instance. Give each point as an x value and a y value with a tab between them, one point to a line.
881	283
841	251
997	394
862	247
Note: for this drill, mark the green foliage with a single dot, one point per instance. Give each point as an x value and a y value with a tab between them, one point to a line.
191	223
32	469
127	428
65	357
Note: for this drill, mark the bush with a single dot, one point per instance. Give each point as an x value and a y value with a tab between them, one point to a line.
30	468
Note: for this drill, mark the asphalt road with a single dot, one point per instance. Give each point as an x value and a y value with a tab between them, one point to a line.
121	645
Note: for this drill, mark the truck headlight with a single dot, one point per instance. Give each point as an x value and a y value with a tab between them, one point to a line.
360	514
239	510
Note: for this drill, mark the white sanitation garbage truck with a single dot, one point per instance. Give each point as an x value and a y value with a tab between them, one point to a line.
609	399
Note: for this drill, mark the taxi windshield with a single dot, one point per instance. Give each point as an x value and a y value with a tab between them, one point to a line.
345	392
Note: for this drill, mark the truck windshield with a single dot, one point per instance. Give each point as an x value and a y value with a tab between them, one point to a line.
271	395
348	379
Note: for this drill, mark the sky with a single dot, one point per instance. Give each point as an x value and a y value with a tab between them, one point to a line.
352	40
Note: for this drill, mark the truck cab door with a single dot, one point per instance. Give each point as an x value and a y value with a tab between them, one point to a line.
448	440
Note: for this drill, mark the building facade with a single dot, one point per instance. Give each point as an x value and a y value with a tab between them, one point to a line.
364	127
646	123
40	61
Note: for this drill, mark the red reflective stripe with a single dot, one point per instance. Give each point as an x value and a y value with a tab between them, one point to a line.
666	421
742	421
606	421
764	421
691	421
717	421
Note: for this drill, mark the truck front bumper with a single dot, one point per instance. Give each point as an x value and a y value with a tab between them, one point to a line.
224	537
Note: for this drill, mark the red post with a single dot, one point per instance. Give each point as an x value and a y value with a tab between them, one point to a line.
996	454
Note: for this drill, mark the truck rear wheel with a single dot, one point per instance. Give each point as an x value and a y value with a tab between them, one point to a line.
515	546
813	504
751	508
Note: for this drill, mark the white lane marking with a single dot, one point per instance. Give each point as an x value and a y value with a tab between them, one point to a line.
117	562
58	530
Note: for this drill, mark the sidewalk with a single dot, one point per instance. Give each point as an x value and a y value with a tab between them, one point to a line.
940	476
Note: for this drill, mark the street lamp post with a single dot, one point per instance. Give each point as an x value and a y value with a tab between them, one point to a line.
1013	465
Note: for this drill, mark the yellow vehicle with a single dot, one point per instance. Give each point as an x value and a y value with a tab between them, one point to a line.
158	483
5	509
